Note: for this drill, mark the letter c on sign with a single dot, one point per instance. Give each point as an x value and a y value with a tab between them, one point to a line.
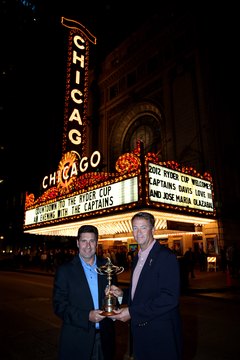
44	185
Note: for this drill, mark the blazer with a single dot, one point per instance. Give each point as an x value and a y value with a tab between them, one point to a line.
72	302
155	316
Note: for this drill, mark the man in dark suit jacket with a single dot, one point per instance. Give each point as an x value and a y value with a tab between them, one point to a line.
78	296
153	297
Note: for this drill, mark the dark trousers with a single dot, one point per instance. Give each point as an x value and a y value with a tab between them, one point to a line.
97	349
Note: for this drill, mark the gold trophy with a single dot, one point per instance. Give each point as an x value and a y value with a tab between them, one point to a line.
110	301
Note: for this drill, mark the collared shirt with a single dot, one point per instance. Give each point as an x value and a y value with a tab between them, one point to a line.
92	278
142	257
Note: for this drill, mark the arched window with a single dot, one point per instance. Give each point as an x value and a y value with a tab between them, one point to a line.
145	128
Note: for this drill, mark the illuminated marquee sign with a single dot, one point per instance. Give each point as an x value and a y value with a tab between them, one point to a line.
179	189
75	108
109	196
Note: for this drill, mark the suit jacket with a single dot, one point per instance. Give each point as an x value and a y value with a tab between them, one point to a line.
154	310
72	302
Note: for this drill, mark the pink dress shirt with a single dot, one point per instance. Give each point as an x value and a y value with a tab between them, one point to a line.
142	257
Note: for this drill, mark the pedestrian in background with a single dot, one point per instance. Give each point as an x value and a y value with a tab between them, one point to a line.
78	296
153	296
223	258
202	258
190	262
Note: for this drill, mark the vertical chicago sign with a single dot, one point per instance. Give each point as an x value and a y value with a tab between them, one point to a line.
74	160
75	109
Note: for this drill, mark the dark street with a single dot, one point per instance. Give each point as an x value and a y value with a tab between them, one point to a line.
29	329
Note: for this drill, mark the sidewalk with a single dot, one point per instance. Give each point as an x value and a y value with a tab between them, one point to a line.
215	284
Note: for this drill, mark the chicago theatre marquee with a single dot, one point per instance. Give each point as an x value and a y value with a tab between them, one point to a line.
181	199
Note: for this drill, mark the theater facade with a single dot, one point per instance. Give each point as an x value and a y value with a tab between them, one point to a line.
108	171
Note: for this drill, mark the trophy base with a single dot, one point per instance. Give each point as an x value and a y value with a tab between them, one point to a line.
108	313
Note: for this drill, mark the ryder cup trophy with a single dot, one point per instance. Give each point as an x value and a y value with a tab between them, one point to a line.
110	301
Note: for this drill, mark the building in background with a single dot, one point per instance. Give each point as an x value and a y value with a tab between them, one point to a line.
170	85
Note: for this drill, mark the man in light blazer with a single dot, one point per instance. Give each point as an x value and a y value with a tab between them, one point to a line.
153	297
78	296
